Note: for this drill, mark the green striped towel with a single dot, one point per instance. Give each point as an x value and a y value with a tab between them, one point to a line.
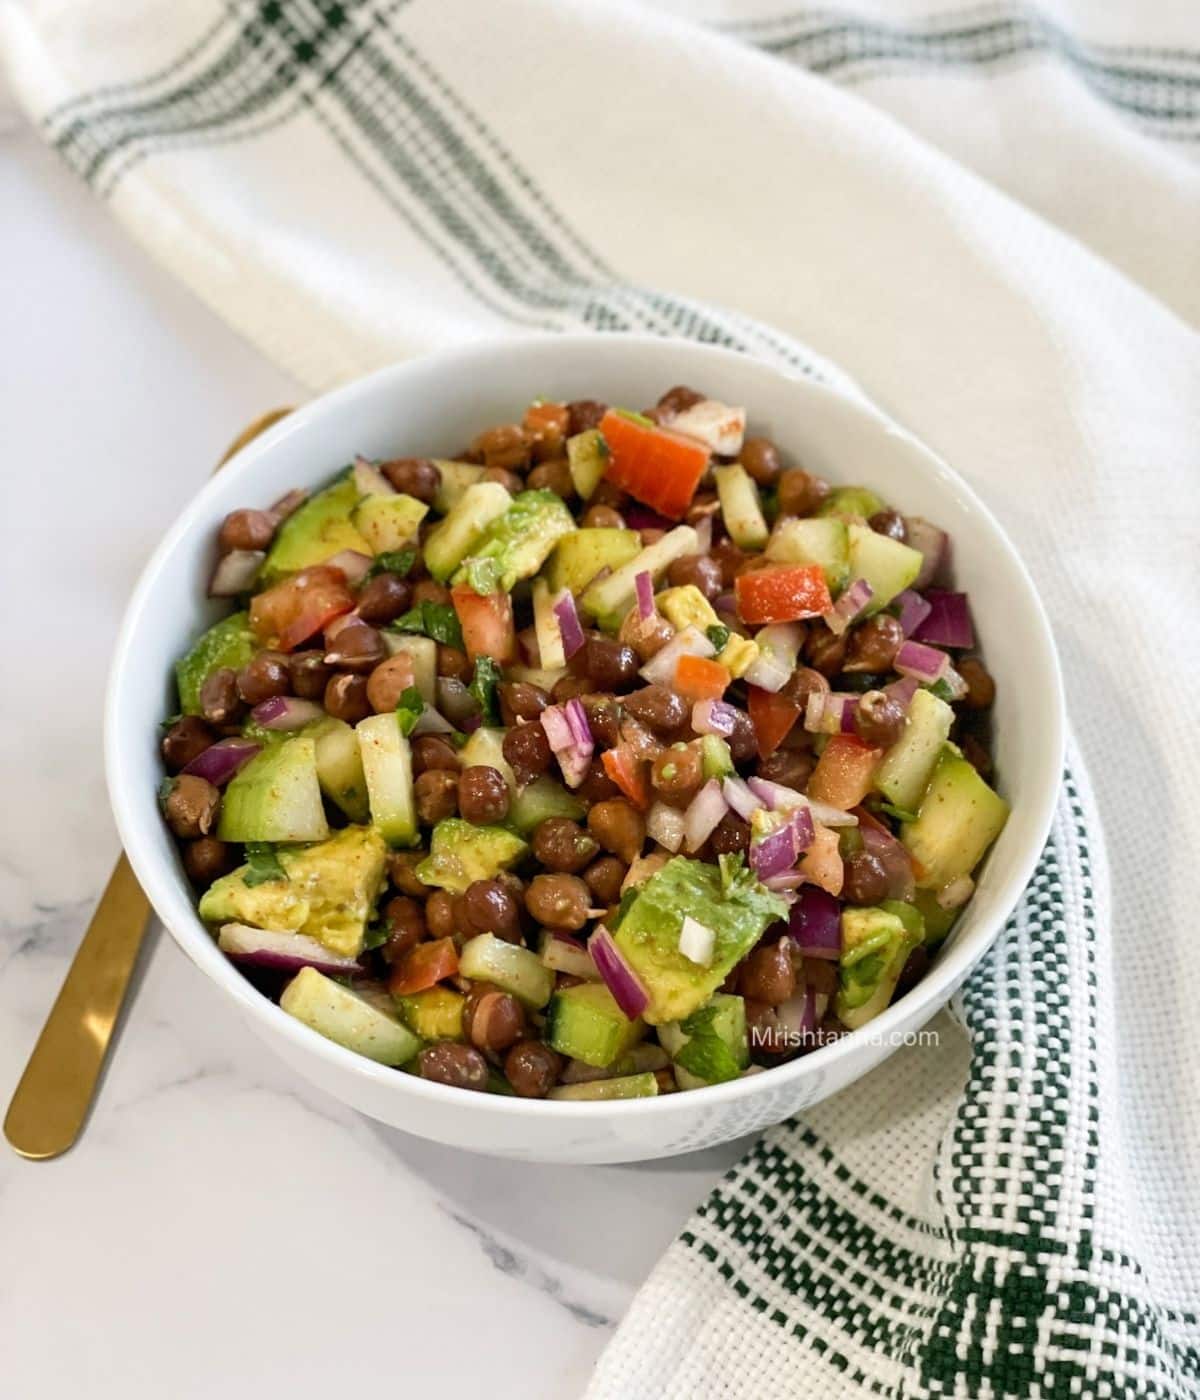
988	217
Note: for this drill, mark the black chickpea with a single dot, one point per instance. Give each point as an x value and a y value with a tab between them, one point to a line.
678	399
427	590
604	719
453	663
511	482
743	742
358	647
603	877
731	835
597	786
520	700
489	906
384	598
677	774
761	459
803	682
220	703
981	688
437	795
767	974
186	740
246	529
602	518
459	1066
404	919
612	665
800	493
558	901
432	751
879	718
619	827
791	767
730	558
889	523
263	677
763	1031
191	807
207	859
658	708
483	795
532	1069
562	845
346	698
527	750
583	414
503	446
865	880
699	570
441	915
309	674
493	1020
824	651
873	644
402	872
414	476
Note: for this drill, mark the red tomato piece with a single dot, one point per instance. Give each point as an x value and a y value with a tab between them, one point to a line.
423	966
785	593
629	774
699	678
292	611
772	717
844	771
486	620
656	466
822	864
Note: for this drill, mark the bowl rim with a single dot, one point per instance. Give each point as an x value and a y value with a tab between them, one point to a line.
174	905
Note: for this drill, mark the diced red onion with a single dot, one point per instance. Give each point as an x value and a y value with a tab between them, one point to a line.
740	798
531	653
640	517
704	812
797	1019
784	884
726	604
568	623
697	941
430	721
235	573
471	723
288	505
830	712
570	738
286	952
619	977
660	669
370	480
704	534
456	702
815	923
933	545
285	713
956	893
644	585
831	816
778	647
666	826
581	730
219	762
562	953
714	717
923	663
903	690
948	622
913	610
352	563
558	729
802	824
775	852
855	597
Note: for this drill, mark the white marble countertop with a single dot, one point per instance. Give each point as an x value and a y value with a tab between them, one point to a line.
221	1228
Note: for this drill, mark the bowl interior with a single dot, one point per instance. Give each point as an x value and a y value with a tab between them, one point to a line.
433	407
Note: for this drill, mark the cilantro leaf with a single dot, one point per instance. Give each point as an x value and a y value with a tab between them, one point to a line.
429	619
623	907
718	635
409	709
262	864
483	687
734	874
375	935
392	561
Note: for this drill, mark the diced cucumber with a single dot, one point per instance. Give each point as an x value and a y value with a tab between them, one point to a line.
813	541
276	797
347	1018
434	1014
540	799
449	543
545	623
876	943
609	600
579	556
455	478
229	642
959	818
387	766
486	748
339	767
938	921
388	522
461	853
370	480
741	508
851	500
422	651
716	758
586	1023
908	765
727	1023
631	1086
321	528
887	565
587	457
537	675
511	968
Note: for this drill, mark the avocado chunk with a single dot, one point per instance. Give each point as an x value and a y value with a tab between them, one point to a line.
276	796
321	528
587	457
449	543
516	544
711	1046
579	556
434	1014
887	565
586	1023
876	943
460	853
328	894
959	818
353	1019
229	642
388	522
727	899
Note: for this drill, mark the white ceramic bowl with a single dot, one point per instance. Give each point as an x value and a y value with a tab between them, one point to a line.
432	406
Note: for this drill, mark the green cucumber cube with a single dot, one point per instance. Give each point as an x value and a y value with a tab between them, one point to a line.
347	1018
959	818
908	765
388	522
630	1086
813	540
741	508
511	968
587	457
585	1023
540	799
387	767
887	565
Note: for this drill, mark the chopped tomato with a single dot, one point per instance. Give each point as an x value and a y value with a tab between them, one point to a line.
292	611
546	426
656	466
423	966
486	620
772	716
843	773
629	774
822	864
785	593
698	678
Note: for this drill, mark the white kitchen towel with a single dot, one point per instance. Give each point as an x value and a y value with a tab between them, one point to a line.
987	217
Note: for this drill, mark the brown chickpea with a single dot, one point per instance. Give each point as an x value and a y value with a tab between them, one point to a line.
824	652
402	872
428	590
562	845
430	751
520	700
414	476
511	482
678	399
602	518
558	901
677	774
761	459
730	558
346	698
186	740
191	807
604	719
890	523
790	767
546	425
873	644
584	414
763	1032
619	827
358	647
879	718
437	795
743	742
263	677
865	880
611	665
700	570
483	795
731	835
981	688
555	476
207	859
603	877
647	639
659	708
309	674
527	750
405	920
246	529
800	493
459	1066
489	906
802	683
220	702
441	915
570	688
767	974
597	786
976	753
650	534
532	1069
388	682
384	598
493	1020
453	662
506	445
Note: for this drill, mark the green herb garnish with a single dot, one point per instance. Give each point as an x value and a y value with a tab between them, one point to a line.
409	708
392	561
262	864
718	635
706	1055
428	619
483	687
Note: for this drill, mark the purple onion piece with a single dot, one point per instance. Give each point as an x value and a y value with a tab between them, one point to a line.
740	798
619	977
569	625
775	853
644	585
815	923
285	713
924	663
219	762
948	622
284	952
912	610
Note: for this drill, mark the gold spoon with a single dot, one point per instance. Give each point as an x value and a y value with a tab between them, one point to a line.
51	1103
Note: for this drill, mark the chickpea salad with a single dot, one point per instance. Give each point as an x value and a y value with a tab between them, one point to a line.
615	757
